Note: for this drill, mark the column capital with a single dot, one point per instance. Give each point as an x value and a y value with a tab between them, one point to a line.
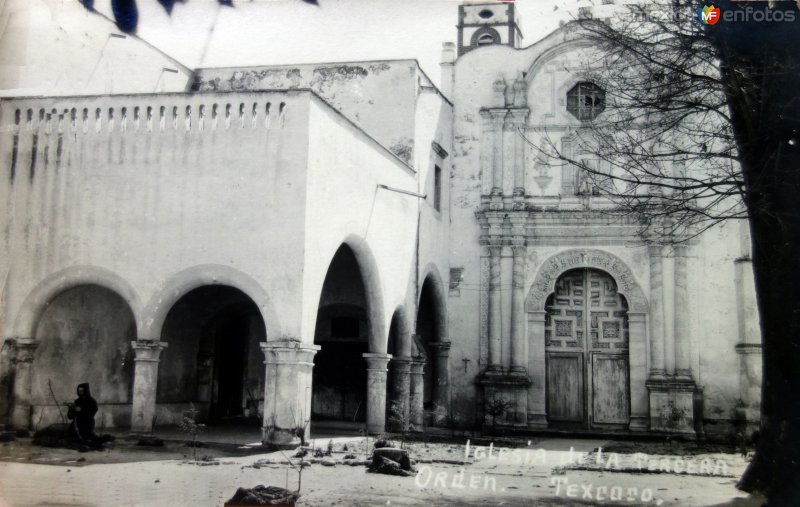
376	361
401	364
148	350
24	350
441	348
655	250
636	317
536	316
289	352
417	366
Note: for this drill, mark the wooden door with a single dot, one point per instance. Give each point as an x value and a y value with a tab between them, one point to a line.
586	344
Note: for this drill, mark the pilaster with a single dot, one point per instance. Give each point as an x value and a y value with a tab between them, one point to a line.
518	357
24	351
657	365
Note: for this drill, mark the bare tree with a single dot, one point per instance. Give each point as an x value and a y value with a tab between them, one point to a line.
700	124
656	139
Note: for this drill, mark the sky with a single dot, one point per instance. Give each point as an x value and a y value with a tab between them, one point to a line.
200	33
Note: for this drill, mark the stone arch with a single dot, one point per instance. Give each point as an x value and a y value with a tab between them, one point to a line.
432	276
545	279
546	56
195	277
37	300
370	275
484	31
401	318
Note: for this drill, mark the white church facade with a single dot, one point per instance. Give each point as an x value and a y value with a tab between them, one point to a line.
343	241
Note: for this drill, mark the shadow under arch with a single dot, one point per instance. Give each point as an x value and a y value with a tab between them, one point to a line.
435	284
373	290
400	341
37	300
183	282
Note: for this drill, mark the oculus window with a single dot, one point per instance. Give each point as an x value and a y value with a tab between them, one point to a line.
586	100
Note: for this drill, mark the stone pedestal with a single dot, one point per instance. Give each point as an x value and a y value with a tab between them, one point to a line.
376	391
441	385
511	388
145	381
672	407
417	393
23	369
287	391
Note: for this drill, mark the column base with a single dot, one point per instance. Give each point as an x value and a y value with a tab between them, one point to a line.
282	438
639	424
537	421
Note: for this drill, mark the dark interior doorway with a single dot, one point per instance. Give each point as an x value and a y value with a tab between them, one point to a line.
339	375
213	360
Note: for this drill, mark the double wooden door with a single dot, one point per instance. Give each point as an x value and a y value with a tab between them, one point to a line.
586	346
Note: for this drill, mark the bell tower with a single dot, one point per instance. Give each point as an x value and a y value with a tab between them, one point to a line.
486	24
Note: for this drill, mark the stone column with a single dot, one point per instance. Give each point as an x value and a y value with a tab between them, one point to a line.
495	313
401	383
518	359
287	391
441	385
519	153
537	416
376	391
498	119
417	392
145	381
637	355
657	365
683	367
23	370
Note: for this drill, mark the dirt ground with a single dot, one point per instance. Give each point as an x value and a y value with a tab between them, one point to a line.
543	471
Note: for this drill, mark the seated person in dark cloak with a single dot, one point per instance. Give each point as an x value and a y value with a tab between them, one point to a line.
82	413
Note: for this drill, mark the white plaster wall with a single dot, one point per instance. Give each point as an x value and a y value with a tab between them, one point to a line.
715	326
57	47
344	203
146	206
433	124
360	90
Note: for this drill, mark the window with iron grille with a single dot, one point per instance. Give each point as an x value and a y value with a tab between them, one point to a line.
586	100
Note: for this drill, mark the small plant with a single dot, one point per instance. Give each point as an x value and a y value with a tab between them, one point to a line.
191	427
446	418
299	429
497	407
671	416
401	420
